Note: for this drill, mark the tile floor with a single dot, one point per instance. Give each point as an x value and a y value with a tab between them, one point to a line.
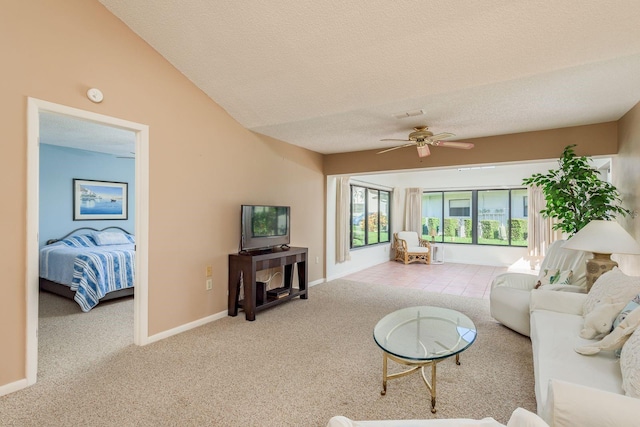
448	278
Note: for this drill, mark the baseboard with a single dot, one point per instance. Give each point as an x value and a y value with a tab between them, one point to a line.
13	387
186	327
317	282
200	322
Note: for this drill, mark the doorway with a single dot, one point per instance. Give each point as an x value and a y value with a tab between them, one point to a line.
34	108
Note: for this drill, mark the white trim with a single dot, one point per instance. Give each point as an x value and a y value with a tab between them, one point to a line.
13	387
141	302
317	282
187	326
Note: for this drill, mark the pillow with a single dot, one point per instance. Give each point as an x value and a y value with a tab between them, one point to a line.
631	305
110	238
523	418
630	364
614	285
615	339
599	321
554	277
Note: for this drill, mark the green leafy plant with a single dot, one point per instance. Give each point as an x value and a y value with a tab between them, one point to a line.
575	194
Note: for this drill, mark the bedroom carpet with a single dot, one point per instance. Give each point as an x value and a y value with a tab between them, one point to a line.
298	364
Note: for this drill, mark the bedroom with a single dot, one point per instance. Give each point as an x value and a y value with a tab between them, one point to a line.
70	149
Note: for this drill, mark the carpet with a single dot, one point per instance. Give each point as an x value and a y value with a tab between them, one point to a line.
297	364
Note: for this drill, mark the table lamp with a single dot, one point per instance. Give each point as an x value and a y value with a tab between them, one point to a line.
602	238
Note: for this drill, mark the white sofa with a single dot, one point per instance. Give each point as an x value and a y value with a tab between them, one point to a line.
570	386
509	295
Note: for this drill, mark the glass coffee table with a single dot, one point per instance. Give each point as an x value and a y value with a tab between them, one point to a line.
419	337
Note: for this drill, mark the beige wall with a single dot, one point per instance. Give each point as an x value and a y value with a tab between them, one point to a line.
203	164
592	140
626	177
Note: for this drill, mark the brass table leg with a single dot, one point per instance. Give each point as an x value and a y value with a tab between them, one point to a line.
384	374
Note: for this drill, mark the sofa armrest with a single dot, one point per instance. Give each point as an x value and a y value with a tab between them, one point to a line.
570	405
515	280
561	302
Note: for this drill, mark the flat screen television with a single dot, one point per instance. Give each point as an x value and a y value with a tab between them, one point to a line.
264	227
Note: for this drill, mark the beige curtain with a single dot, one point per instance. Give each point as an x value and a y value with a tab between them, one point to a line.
541	232
413	210
343	204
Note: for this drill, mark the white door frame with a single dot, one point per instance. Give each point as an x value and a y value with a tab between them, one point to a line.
141	295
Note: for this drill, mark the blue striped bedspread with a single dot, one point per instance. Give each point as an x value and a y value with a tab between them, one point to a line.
90	270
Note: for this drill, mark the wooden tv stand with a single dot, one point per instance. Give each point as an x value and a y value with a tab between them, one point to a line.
249	264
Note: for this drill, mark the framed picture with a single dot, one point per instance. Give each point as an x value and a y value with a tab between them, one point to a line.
99	200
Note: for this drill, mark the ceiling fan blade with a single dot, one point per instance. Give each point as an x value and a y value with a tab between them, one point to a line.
395	148
453	144
442	135
399	140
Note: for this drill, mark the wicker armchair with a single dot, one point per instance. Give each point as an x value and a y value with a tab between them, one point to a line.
411	248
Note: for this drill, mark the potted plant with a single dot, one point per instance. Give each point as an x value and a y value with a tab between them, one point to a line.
575	194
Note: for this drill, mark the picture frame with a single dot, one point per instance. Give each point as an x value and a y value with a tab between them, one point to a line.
100	200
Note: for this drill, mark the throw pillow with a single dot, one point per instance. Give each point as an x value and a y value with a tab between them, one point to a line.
614	285
632	305
630	364
600	320
615	339
554	277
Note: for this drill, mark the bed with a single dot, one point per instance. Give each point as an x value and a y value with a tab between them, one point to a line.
89	265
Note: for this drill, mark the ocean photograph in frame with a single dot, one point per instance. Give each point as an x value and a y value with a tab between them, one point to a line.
99	200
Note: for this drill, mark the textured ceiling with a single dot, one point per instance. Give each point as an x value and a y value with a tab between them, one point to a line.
66	131
329	75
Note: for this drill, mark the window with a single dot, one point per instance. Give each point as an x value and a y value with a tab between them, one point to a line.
460	207
370	216
481	217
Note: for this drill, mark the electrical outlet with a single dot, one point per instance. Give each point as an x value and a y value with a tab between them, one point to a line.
209	271
209	284
317	260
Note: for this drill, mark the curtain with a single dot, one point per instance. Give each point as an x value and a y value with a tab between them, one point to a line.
343	220
541	232
413	210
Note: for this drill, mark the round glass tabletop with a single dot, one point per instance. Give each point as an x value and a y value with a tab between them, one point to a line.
424	333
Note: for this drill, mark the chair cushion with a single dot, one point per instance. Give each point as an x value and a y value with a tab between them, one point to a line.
411	237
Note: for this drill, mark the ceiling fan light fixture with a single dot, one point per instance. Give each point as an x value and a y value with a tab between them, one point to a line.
423	150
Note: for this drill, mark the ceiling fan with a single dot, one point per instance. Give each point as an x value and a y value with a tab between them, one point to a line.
421	137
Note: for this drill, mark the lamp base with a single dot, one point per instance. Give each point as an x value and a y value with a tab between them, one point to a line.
597	266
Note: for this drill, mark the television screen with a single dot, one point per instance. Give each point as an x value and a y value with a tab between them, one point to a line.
268	221
264	227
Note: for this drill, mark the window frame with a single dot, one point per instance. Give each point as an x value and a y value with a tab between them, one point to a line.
474	215
367	213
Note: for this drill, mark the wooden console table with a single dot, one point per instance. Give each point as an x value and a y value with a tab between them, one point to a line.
251	263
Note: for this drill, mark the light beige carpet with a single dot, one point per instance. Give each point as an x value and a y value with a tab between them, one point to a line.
298	364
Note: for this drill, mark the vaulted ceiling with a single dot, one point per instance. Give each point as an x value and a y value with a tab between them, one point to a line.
330	75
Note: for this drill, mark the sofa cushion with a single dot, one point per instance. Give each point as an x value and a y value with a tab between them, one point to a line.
630	365
613	286
523	418
554	336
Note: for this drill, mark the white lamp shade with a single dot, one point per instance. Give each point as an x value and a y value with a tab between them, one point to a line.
603	237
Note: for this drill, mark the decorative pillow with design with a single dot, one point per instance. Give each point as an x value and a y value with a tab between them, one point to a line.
630	365
613	287
554	277
631	305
